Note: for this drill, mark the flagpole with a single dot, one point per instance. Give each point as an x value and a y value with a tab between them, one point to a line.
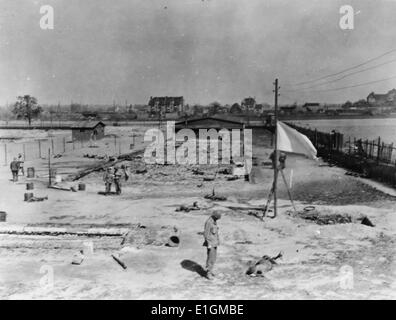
276	148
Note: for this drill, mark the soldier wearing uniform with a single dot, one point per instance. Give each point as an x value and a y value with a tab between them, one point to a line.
14	166
21	161
108	178
211	235
117	180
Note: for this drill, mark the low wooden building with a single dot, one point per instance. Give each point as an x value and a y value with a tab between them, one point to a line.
208	123
88	130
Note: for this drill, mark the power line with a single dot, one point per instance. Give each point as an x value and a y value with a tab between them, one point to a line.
347	69
347	87
349	74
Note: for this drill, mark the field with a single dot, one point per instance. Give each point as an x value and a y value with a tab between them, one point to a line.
320	261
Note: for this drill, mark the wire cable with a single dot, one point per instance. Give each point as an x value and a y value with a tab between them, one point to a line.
347	69
346	87
349	74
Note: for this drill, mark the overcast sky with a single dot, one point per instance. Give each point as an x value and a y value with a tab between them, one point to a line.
204	50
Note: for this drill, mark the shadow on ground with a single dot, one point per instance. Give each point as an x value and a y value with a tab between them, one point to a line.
194	267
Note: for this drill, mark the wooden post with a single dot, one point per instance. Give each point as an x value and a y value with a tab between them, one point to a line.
39	147
115	144
243	139
52	145
64	144
24	152
276	149
378	149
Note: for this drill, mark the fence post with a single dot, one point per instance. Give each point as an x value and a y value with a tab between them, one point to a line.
64	144
378	149
39	145
52	145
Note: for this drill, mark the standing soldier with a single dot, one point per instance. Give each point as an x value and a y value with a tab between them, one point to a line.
21	161
108	178
211	235
117	180
14	166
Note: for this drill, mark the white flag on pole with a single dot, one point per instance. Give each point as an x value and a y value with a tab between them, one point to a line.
290	140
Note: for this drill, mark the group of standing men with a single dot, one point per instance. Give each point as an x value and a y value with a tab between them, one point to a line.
114	175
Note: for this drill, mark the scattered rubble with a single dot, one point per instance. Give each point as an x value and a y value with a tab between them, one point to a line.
325	218
157	236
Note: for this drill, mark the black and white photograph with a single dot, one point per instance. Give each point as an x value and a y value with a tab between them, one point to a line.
197	150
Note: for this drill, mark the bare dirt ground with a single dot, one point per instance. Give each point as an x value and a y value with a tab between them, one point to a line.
331	261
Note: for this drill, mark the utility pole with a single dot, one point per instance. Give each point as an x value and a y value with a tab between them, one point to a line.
276	147
49	168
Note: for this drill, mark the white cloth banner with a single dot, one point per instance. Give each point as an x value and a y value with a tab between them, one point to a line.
290	140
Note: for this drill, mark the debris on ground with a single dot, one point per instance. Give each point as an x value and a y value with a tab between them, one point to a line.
213	197
60	188
78	258
225	171
188	208
263	265
366	221
322	219
197	172
119	261
256	213
157	236
37	199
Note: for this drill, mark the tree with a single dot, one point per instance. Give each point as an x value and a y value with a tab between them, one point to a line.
26	107
214	107
236	109
197	109
347	105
